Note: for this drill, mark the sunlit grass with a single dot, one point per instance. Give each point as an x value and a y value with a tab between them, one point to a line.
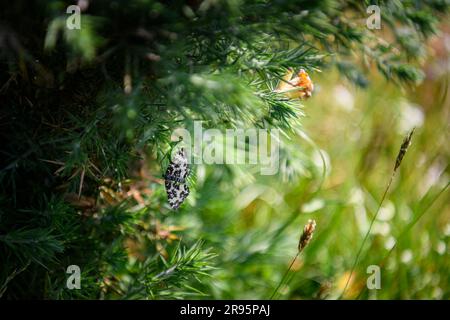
254	230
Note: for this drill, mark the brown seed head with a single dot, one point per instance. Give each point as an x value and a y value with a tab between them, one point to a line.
307	234
403	148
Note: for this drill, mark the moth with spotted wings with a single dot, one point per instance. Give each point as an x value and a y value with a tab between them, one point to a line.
175	179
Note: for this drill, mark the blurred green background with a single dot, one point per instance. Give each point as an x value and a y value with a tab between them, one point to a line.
254	225
359	132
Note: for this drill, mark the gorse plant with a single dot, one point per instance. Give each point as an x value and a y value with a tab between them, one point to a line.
86	120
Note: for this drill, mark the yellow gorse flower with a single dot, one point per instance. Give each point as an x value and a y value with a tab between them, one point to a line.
298	87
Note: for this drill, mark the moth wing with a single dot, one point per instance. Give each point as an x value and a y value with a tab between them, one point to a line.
178	167
176	193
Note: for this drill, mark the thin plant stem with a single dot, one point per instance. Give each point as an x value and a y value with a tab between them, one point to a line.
398	161
367	233
305	238
284	276
405	231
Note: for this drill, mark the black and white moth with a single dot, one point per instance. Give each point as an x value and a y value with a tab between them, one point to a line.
175	179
